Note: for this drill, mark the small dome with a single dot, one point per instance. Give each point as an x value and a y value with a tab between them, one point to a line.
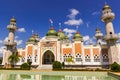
77	36
61	35
106	7
13	20
32	39
51	32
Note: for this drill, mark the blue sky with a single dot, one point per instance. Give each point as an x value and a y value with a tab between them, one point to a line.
35	14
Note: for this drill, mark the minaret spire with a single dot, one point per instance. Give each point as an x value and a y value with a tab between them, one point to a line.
110	37
10	43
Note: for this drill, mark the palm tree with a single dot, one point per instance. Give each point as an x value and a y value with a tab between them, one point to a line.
13	59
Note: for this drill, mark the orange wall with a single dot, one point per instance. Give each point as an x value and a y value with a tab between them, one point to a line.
30	48
67	50
35	51
23	53
87	51
95	51
78	48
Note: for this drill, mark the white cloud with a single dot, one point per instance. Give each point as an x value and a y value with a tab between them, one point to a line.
85	38
73	13
72	18
69	32
6	39
66	30
19	42
2	49
95	13
73	22
43	38
21	30
16	37
1	41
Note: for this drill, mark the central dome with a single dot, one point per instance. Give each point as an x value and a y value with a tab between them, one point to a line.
61	35
51	32
77	36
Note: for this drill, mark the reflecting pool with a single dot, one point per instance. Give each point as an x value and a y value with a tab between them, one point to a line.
54	75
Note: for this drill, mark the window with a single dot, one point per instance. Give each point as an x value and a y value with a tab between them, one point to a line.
96	58
23	59
36	58
110	32
105	58
78	58
87	58
29	58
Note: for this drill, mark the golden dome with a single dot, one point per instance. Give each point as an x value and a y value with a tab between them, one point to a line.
106	7
13	20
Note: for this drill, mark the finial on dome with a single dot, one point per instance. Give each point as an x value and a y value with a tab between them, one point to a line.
59	25
51	22
106	6
105	3
77	28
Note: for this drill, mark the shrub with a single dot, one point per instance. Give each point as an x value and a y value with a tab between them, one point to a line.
115	67
63	65
57	65
25	66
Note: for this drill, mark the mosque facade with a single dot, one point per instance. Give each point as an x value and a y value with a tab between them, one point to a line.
56	46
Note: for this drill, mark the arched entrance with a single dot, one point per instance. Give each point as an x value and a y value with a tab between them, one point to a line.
48	57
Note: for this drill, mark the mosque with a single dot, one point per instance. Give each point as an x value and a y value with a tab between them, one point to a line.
57	47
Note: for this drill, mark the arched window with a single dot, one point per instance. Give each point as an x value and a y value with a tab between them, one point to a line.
105	58
36	57
87	58
78	58
96	58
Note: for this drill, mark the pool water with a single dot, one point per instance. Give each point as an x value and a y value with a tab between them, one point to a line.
54	75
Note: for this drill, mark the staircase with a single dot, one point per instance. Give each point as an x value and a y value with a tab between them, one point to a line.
45	67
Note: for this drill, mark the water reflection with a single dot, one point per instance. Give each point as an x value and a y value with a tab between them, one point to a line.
4	76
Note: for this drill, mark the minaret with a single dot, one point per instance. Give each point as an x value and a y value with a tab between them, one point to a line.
10	44
110	37
98	36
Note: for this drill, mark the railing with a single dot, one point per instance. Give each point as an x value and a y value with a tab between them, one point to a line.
10	43
11	27
107	37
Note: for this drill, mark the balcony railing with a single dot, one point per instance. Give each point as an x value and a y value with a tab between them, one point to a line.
11	27
108	37
10	43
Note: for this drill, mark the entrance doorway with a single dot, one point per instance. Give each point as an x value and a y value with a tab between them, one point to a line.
48	57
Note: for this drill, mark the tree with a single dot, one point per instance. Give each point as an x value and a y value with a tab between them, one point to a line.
13	59
0	60
115	67
57	65
25	66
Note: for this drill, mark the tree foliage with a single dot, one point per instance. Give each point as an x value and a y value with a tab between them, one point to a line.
70	59
14	58
115	67
25	66
57	65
